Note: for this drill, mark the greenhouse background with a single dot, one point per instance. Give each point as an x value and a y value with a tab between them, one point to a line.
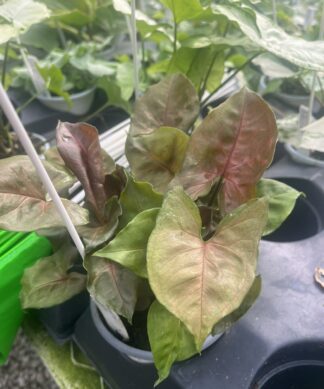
161	194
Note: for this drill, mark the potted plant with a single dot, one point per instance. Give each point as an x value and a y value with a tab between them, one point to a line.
15	20
172	244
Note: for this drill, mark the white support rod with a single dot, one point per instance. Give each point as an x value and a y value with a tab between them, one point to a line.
134	48
30	150
274	11
312	94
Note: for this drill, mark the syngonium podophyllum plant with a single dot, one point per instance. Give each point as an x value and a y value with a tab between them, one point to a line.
175	237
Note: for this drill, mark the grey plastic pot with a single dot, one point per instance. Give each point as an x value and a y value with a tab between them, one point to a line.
300	156
135	354
81	102
295	101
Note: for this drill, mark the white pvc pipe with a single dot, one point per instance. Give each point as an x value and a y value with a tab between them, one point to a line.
30	150
134	48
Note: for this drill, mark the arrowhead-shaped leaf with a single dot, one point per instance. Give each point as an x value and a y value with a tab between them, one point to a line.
156	157
129	246
235	143
281	200
62	178
173	102
263	32
198	281
49	282
23	205
136	197
183	9
21	15
78	144
175	343
246	304
95	234
112	285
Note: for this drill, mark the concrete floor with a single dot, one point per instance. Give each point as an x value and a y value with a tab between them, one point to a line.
25	369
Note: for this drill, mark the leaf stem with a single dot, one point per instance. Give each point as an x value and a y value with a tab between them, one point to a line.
26	103
202	104
203	87
97	112
4	66
175	37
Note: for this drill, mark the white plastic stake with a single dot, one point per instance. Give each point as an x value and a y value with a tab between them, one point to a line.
274	11
312	94
134	47
30	150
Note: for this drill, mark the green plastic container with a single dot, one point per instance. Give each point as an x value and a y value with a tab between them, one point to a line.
17	252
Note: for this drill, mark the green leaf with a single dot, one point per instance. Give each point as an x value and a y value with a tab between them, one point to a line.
6	33
49	282
129	246
55	81
175	343
183	9
274	67
263	32
20	15
114	93
78	144
96	67
312	136
281	200
196	64
174	102
125	79
156	157
96	233
246	304
42	37
234	143
112	286
23	204
201	282
137	196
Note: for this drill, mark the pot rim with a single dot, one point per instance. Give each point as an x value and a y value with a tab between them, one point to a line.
73	96
132	352
115	342
299	157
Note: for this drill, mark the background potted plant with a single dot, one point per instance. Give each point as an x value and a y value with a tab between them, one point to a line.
16	18
194	203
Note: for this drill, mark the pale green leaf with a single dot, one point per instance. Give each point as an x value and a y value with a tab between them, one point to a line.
183	9
22	14
129	246
281	200
250	298
125	79
312	136
136	197
173	343
201	282
270	37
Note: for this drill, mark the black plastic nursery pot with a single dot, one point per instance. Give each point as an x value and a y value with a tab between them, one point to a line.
278	344
60	320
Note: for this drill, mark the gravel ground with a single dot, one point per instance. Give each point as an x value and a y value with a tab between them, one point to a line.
25	369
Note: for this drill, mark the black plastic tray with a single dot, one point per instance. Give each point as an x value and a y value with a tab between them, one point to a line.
280	340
